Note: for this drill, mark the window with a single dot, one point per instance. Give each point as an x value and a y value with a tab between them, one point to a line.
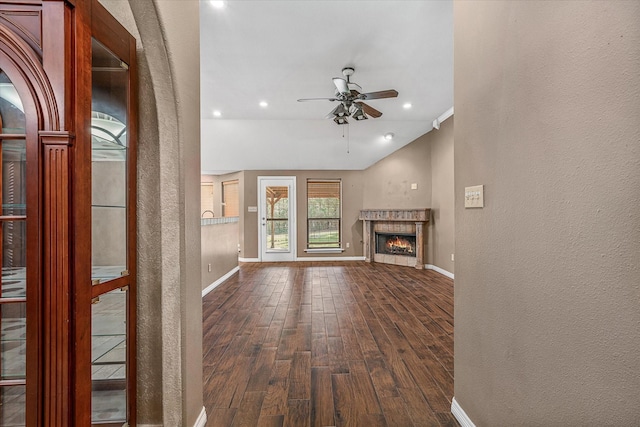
323	214
230	199
206	200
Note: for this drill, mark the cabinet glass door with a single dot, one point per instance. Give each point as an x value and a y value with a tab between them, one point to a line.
13	291
109	236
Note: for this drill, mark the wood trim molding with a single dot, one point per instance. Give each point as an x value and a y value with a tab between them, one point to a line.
57	284
26	60
20	17
460	415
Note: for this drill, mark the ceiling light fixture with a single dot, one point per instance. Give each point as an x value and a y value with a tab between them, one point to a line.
341	111
264	104
341	120
407	105
218	4
358	114
389	136
217	113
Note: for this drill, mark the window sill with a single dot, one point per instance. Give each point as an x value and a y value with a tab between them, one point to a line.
324	251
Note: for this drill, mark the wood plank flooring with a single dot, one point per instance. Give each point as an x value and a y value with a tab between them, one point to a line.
329	344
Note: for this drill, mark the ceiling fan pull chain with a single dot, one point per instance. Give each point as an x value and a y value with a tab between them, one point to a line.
348	138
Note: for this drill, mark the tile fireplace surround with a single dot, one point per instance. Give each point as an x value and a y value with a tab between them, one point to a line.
405	221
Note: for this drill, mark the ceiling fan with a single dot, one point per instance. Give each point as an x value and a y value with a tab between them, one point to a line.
350	98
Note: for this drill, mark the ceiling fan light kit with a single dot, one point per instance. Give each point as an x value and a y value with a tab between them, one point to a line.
350	98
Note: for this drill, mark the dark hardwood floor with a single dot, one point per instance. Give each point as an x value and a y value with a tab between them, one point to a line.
329	344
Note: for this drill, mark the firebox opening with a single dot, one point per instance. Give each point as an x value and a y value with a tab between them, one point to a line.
396	244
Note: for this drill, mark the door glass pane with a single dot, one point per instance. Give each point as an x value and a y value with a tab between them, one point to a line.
108	165
108	358
14	163
11	109
13	336
12	406
277	210
13	256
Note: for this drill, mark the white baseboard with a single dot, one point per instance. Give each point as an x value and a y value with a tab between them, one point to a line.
215	284
439	270
460	415
248	259
202	419
331	258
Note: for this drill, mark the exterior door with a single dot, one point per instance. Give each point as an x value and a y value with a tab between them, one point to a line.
277	218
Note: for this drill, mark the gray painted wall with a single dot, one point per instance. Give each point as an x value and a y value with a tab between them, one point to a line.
388	182
219	249
441	228
427	162
169	276
352	189
547	290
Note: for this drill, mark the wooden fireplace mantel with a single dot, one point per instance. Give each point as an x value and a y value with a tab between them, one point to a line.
395	215
412	221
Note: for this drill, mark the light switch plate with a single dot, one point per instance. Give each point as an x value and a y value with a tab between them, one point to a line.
414	186
252	209
474	196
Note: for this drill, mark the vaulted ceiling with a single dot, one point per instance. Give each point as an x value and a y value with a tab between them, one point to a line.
280	51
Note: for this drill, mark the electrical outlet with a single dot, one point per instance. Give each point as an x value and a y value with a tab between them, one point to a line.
452	257
347	245
209	268
474	197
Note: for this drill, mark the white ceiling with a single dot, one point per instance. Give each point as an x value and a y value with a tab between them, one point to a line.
280	51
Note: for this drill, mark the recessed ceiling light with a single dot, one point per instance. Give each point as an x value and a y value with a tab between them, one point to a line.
388	136
264	104
406	106
217	113
218	4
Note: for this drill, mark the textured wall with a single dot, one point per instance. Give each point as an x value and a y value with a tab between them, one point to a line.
169	295
388	182
352	188
180	24
428	162
547	290
220	249
384	185
441	229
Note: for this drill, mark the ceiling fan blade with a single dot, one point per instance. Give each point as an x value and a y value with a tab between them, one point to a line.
369	110
391	93
317	99
341	85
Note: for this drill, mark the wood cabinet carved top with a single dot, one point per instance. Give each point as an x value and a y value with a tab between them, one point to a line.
416	215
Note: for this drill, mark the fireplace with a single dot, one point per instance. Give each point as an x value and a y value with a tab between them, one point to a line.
396	244
395	236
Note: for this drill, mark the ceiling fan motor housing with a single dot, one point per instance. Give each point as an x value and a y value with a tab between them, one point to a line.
347	72
350	96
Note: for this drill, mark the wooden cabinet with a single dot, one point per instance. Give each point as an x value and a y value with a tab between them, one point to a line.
68	116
